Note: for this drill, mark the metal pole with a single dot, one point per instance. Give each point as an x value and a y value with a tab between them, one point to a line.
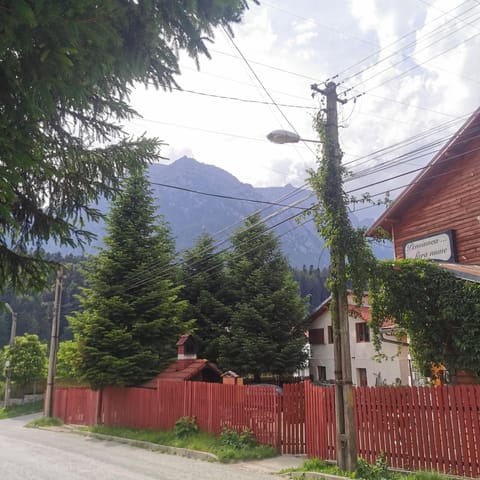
8	373
52	359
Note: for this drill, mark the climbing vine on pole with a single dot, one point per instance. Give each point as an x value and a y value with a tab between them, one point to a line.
332	220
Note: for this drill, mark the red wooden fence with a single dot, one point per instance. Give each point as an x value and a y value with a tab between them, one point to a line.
320	421
421	428
418	428
76	405
293	419
215	406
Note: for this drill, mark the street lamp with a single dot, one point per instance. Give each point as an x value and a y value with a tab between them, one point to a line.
334	203
8	366
284	136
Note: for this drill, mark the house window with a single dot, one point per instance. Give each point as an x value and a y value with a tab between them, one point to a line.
330	334
362	331
322	373
316	336
362	377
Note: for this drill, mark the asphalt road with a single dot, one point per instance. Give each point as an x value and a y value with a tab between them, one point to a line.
27	453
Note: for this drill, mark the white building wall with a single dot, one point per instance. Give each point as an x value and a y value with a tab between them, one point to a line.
390	371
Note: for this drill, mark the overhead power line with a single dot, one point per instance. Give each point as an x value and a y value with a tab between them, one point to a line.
228	197
414	43
313	205
245	100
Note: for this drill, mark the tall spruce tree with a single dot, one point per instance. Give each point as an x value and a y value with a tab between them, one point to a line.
130	318
203	277
67	68
266	333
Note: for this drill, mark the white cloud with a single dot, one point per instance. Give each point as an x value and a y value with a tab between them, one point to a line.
308	42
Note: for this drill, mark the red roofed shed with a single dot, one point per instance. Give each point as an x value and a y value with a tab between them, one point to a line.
187	367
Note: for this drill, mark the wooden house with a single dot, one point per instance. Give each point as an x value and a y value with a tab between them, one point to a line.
437	216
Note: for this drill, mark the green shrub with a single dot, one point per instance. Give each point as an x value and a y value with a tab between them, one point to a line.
233	439
315	465
379	471
185	427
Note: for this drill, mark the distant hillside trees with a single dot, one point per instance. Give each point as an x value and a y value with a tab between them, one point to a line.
266	329
34	311
312	283
130	315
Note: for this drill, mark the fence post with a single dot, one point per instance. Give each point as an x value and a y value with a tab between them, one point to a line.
99	413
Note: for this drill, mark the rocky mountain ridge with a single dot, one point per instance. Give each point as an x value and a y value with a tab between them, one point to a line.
191	214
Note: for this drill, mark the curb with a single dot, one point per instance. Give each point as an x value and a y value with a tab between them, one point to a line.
154	447
314	475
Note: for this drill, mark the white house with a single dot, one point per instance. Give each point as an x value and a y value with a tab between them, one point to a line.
366	370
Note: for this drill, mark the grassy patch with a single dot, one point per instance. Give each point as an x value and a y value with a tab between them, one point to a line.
365	471
320	466
17	410
202	441
45	422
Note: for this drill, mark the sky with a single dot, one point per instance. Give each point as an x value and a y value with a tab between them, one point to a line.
408	70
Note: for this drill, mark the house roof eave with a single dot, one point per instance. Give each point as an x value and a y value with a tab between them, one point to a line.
388	217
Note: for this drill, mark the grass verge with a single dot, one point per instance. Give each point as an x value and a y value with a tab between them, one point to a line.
202	441
18	410
365	471
45	422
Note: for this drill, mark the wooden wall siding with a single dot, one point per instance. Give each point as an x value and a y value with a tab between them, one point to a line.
450	201
418	428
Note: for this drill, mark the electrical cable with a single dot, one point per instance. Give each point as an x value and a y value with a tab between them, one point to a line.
415	43
378	51
380	182
414	67
218	195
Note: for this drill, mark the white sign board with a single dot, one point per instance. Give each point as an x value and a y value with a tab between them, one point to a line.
434	247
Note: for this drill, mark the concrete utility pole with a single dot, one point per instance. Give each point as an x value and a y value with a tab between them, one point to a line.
8	373
52	359
344	411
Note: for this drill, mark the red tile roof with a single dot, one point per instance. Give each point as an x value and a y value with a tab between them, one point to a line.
183	339
182	371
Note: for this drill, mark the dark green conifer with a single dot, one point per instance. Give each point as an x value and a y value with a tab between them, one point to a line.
204	280
131	314
267	328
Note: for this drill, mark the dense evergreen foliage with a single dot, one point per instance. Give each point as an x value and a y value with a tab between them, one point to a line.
266	331
66	71
130	319
205	289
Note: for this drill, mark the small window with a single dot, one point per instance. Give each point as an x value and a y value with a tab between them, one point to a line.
362	377
363	332
330	334
322	373
316	336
